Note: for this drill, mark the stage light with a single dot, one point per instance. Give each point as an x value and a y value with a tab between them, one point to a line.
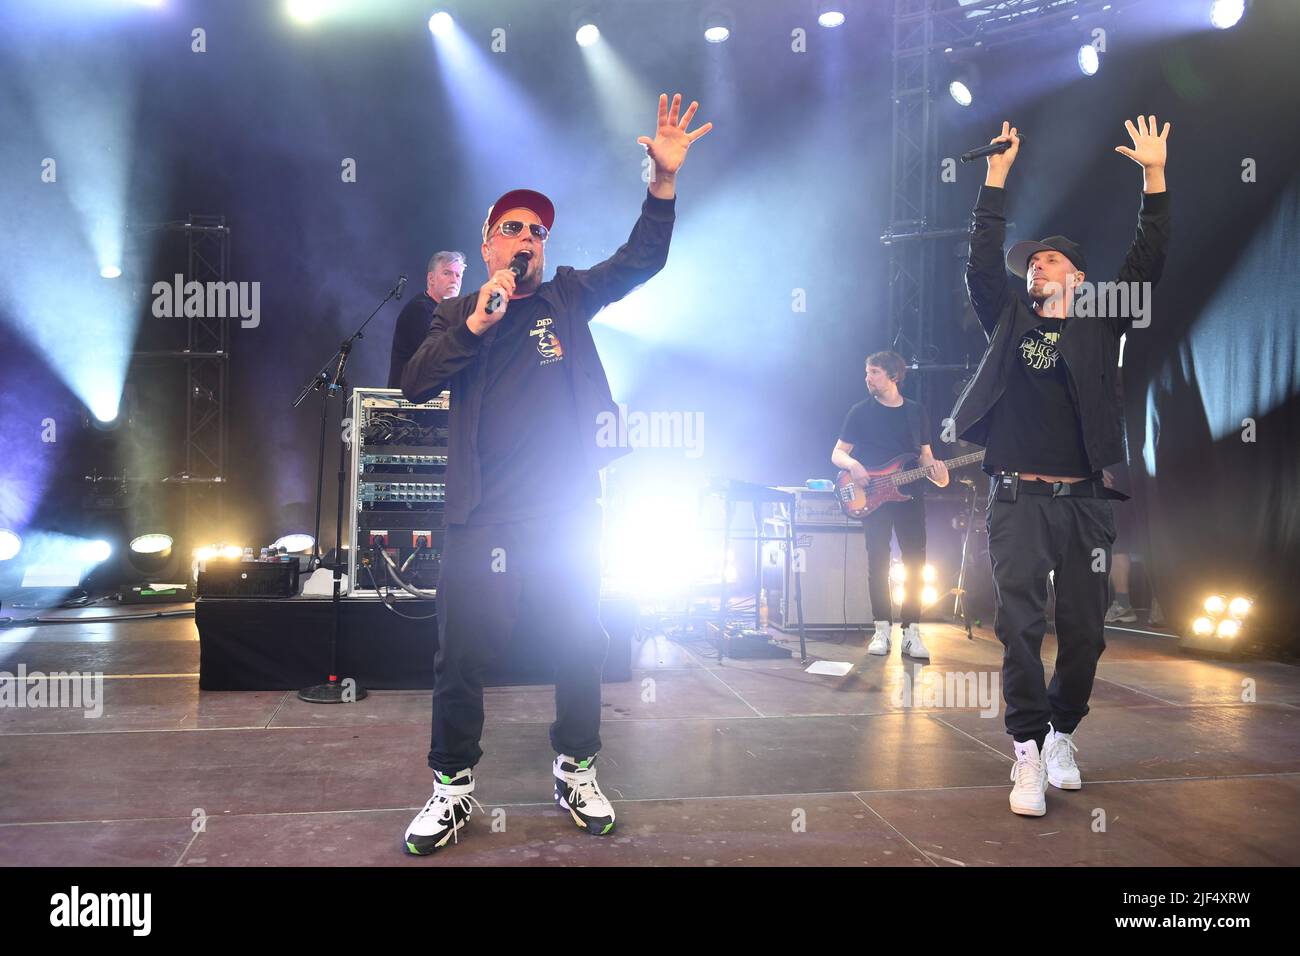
440	24
1089	59
110	272
831	14
153	543
293	543
1239	607
960	93
1228	628
1214	604
231	552
1203	627
10	544
587	34
898	595
898	572
1225	14
717	25
928	574
929	595
305	11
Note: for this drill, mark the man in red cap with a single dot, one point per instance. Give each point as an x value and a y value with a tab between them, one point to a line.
520	555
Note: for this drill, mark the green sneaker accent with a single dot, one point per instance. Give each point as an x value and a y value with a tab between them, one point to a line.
411	846
583	763
443	777
608	826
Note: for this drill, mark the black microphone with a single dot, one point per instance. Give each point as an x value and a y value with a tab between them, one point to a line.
401	285
990	149
518	265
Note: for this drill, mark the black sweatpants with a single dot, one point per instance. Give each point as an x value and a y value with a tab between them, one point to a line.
534	580
1071	537
906	519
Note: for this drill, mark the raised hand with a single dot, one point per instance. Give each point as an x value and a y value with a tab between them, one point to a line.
1148	148
1000	163
671	140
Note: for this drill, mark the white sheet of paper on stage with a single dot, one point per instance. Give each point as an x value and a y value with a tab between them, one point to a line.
829	668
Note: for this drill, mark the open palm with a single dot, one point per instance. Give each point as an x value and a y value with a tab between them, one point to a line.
672	139
1148	149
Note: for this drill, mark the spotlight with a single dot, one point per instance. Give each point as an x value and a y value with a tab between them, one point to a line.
960	93
304	11
1215	604
929	595
927	574
151	544
1239	607
1228	628
110	272
717	25
293	543
587	34
831	14
1202	627
440	23
212	552
1089	59
1223	621
10	544
149	553
1225	14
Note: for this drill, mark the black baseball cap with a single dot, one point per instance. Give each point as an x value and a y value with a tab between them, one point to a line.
1019	254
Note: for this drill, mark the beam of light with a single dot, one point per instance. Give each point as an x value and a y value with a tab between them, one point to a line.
10	544
64	234
477	90
587	34
55	560
619	93
1225	14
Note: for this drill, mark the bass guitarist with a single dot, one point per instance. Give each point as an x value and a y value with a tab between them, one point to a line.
877	429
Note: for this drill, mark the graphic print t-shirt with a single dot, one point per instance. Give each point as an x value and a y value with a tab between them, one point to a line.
529	446
1034	425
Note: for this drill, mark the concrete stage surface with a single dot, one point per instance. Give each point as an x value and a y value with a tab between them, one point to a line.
743	763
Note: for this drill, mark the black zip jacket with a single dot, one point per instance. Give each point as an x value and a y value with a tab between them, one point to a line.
1089	345
454	357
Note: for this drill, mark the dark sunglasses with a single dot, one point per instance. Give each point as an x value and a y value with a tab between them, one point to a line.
513	227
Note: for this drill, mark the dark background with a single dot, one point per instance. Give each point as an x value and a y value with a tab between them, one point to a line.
790	190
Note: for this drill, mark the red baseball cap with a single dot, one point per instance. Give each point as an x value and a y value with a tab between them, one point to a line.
520	199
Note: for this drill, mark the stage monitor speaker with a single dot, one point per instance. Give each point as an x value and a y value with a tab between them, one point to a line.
834	578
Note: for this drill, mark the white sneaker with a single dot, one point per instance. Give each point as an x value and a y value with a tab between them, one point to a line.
880	643
913	646
1120	614
1058	755
445	814
576	790
1029	779
1156	617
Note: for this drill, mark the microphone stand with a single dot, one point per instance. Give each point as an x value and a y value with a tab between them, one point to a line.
331	382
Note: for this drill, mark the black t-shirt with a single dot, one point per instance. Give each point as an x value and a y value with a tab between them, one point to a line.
412	327
529	445
879	433
1035	426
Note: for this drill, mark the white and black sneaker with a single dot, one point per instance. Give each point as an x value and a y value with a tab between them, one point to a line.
576	790
444	815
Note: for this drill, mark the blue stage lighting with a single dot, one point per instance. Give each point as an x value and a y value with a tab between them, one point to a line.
10	544
960	92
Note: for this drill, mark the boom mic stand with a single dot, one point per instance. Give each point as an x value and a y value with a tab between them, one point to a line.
331	382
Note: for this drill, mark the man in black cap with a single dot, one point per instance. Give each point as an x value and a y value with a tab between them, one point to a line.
530	406
1043	403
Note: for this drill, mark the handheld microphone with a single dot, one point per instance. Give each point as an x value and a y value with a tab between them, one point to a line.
401	285
518	265
990	149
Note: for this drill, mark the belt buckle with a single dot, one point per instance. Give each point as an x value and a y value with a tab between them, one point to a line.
1061	489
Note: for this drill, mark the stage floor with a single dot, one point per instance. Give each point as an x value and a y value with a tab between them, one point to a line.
708	764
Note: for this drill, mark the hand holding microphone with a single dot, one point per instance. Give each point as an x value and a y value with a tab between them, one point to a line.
494	295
